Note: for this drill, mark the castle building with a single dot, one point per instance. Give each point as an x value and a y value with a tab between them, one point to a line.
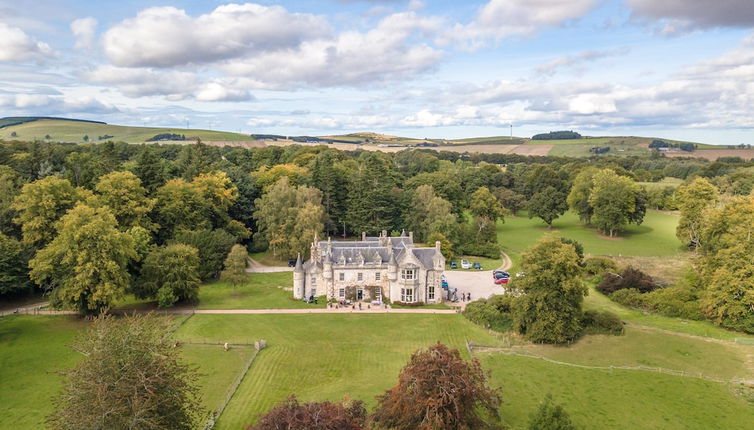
374	268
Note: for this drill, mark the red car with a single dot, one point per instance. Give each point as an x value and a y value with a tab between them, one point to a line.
501	280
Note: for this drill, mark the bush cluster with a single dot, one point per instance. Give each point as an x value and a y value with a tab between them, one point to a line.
595	322
629	278
599	265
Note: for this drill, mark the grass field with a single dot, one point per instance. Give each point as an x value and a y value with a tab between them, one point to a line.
326	356
74	131
655	237
320	357
665	182
617	399
261	291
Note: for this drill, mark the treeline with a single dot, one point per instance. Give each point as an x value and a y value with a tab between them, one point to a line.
155	203
557	135
166	136
685	146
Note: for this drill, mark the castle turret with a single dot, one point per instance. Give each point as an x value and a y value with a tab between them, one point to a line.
327	268
298	278
392	267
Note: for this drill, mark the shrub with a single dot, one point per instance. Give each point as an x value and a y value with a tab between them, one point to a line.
492	313
630	297
676	301
629	278
596	322
489	250
599	265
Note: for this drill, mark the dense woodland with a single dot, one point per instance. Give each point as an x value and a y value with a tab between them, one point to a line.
89	223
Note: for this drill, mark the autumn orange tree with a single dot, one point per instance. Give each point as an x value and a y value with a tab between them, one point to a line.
439	390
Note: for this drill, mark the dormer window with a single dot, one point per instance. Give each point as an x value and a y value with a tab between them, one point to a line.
342	260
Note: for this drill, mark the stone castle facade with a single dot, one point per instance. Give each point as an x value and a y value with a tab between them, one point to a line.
374	268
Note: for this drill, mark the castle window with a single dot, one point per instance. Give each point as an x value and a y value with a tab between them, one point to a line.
408	274
342	276
407	295
360	276
377	276
342	292
314	281
431	292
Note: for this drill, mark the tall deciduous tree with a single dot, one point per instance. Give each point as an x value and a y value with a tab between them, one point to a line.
693	201
548	205
483	204
578	198
170	274
288	217
127	199
40	204
727	244
213	246
614	200
10	184
180	206
13	275
131	377
235	265
439	390
85	265
550	311
429	214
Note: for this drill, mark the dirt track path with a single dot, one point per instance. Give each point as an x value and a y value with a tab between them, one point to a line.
257	267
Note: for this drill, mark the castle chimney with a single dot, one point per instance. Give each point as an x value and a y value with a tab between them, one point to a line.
438	245
363	236
411	235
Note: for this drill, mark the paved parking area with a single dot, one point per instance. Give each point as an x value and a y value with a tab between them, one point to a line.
477	282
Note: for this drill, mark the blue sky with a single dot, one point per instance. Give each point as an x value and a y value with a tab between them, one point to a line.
445	69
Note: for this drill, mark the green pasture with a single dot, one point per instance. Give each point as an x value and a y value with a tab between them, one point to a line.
74	131
329	356
616	399
655	237
325	357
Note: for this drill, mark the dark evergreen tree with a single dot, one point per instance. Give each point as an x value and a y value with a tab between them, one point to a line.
149	169
372	200
332	180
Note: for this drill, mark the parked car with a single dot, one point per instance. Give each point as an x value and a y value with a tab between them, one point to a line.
477	266
499	281
497	274
291	262
465	264
453	265
444	284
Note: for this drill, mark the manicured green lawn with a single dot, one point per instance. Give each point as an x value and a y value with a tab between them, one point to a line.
266	258
33	349
262	291
320	357
654	237
617	399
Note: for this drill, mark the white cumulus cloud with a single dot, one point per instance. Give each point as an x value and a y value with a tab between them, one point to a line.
17	46
84	30
168	36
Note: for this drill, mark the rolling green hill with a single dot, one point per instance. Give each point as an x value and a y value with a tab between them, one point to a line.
65	130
